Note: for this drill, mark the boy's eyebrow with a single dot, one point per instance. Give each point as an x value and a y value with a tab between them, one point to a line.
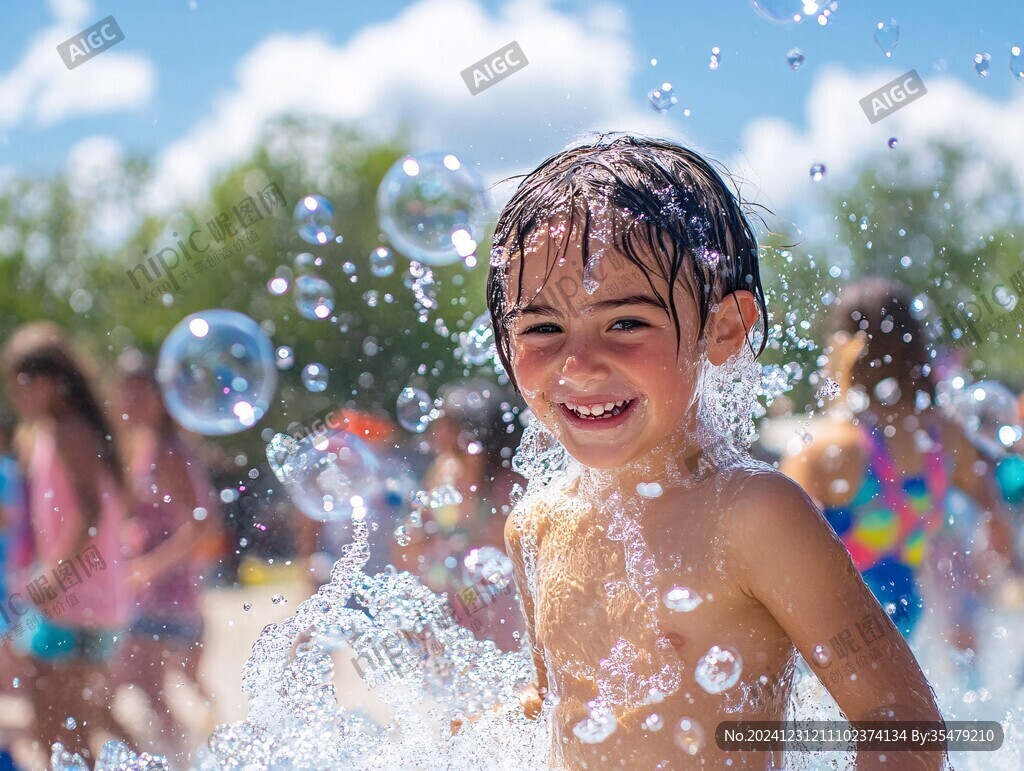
540	308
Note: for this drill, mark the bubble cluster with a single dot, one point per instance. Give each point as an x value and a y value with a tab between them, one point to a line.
719	669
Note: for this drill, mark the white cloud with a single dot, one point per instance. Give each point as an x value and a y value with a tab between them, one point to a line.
39	90
407	70
777	155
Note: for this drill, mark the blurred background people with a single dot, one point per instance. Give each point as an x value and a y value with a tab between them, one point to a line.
77	508
898	481
176	521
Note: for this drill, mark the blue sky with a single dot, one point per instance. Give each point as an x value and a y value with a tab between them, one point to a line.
193	80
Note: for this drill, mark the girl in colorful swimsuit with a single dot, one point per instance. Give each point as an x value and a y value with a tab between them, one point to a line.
897	480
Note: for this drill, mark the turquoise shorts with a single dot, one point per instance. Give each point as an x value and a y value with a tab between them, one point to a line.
53	643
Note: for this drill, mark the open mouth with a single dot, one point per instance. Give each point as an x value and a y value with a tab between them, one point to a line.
597	413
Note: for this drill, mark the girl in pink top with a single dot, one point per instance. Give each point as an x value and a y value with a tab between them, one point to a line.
176	518
77	509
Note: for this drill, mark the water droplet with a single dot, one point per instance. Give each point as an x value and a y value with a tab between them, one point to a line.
414	410
598	726
402	537
689	736
795	57
1017	62
649	489
71	724
817	172
284	357
313	216
590	279
246	606
682	599
382	262
16	682
894	142
719	669
477	346
654	722
822	655
315	377
716	58
305	262
662	98
829	389
982	62
887	36
277	599
348	268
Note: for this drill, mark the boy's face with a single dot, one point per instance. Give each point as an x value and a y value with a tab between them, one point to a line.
574	349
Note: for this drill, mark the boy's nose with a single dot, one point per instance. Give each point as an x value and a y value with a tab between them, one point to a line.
581	367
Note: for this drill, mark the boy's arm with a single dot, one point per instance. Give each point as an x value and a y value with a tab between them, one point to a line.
793	563
514	547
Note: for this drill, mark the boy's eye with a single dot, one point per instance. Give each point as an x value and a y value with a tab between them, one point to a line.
545	329
540	329
632	323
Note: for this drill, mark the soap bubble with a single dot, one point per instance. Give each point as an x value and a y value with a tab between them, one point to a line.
284	357
1017	62
330	475
782	11
424	201
794	58
382	262
314	297
988	412
415	410
216	371
315	377
719	669
689	736
313	216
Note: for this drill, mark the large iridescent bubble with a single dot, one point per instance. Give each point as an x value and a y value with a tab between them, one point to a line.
329	474
432	207
217	372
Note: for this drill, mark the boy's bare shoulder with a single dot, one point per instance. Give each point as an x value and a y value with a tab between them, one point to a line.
762	504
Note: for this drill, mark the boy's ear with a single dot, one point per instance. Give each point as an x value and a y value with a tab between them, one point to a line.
729	325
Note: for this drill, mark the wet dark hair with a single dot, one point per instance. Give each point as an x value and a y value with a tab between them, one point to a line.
691	222
41	349
881	308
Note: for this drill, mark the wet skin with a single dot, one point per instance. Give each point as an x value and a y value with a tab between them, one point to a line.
773	575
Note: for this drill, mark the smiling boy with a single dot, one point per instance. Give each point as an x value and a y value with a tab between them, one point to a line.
660	603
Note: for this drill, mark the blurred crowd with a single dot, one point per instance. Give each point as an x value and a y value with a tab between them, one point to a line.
114	521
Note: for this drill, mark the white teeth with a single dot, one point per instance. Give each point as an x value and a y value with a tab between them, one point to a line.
597	410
